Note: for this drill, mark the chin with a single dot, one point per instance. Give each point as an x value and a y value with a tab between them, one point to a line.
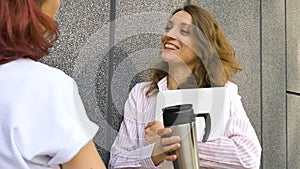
171	58
168	57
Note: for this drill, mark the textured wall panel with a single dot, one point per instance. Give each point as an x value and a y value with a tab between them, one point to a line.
293	45
273	84
82	53
293	131
240	22
293	81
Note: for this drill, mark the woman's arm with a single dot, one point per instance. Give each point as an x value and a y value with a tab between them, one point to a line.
235	151
129	149
240	148
87	157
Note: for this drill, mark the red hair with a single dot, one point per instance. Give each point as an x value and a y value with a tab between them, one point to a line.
25	30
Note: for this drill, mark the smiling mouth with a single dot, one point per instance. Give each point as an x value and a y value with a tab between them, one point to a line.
170	46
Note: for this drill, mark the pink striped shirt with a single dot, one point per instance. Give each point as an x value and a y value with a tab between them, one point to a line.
239	149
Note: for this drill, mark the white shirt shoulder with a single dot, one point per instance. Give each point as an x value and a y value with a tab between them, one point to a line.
42	110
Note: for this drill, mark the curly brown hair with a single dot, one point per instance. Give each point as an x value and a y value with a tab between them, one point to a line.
216	63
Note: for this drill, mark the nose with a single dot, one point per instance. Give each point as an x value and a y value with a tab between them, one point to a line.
172	33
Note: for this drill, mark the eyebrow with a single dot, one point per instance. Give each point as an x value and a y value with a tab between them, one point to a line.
182	23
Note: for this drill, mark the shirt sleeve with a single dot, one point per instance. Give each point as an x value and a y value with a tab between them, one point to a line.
240	148
81	129
47	123
129	149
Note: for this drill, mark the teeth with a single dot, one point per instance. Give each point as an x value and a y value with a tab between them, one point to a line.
169	46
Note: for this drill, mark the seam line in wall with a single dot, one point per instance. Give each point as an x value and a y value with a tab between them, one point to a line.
112	16
286	82
261	86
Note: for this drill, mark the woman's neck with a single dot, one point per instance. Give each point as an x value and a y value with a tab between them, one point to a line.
177	75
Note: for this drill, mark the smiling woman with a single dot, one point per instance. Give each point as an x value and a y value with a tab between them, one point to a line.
177	42
43	123
195	54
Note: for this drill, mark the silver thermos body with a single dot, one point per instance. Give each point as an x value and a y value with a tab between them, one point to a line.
181	119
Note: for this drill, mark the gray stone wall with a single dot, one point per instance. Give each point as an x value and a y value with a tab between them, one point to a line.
293	82
107	46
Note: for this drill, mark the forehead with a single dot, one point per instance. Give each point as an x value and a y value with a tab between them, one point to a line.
181	17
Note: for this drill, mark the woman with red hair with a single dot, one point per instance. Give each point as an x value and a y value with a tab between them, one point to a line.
43	123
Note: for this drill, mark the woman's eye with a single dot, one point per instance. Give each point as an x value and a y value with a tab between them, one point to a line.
184	32
167	28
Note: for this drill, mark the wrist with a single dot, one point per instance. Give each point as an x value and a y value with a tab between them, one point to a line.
158	159
157	154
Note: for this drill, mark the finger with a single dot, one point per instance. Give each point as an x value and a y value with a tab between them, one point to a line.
165	132
151	136
149	131
148	136
170	148
152	139
158	123
170	140
150	124
172	157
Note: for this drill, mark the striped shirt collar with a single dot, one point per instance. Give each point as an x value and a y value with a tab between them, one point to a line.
163	84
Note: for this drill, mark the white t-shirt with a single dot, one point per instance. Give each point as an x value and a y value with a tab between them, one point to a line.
42	119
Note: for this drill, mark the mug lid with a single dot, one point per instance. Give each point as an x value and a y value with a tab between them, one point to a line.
178	114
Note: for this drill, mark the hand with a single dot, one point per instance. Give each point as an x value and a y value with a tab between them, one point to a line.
165	146
151	132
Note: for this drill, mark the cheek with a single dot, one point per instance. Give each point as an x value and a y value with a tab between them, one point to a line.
58	5
50	8
163	39
188	43
188	55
